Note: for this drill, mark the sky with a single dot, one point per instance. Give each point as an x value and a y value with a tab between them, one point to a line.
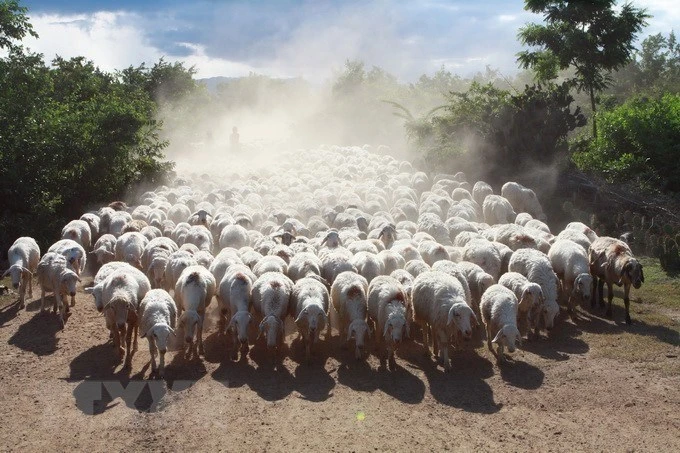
293	38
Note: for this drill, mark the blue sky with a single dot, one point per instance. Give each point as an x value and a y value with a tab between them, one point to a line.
291	38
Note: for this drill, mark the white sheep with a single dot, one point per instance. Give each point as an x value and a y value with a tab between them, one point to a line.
582	228
480	191
194	291
121	293
485	255
93	221
536	267
73	252
270	263
234	236
235	292
79	231
55	274
499	313
575	236
309	305
334	262
350	301
200	217
529	296
478	280
367	264
200	236
523	199
130	248
432	252
104	249
23	256
439	305
271	299
570	263
177	262
388	312
303	265
157	320
391	261
497	209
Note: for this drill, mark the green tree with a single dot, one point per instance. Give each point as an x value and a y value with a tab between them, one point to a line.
589	36
14	24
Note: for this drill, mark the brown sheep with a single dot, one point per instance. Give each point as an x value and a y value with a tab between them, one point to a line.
612	262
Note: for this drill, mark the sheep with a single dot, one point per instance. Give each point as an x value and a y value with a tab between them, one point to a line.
130	248
332	239
270	263
388	234
200	236
523	218
452	269
271	299
79	231
478	280
388	313
612	262
309	305
234	297
155	258
200	217
367	264
432	252
335	262
497	209
117	221
391	261
179	213
104	249
121	294
523	199
536	267
234	236
23	256
157	320
485	255
529	296
177	262
582	228
349	298
94	222
415	267
499	314
55	274
480	190
570	263
303	265
74	253
193	293
223	261
439	304
575	236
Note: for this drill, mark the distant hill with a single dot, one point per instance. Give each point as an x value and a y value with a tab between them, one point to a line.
212	82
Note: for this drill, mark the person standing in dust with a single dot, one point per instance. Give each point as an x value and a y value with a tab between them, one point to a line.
234	139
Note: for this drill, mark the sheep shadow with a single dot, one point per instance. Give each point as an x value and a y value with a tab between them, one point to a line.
463	387
562	341
312	380
597	322
9	312
101	385
38	335
521	375
271	380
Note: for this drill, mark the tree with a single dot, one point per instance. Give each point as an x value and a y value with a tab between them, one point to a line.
589	36
14	25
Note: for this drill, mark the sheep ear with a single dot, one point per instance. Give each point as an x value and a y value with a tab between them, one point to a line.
301	316
519	336
382	232
89	290
261	329
350	332
387	329
324	240
172	332
449	321
498	337
475	321
5	274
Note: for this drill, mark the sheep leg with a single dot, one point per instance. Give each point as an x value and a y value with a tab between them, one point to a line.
489	337
128	343
30	287
444	351
234	343
135	336
42	301
423	327
593	292
501	354
152	352
600	293
161	369
199	334
390	357
626	301
610	298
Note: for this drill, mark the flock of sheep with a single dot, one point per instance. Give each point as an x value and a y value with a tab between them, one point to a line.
388	247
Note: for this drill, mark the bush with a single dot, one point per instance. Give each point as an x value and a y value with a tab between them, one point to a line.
638	143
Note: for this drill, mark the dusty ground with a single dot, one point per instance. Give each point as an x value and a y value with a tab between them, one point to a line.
594	386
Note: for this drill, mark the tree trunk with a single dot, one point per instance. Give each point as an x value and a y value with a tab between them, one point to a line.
592	104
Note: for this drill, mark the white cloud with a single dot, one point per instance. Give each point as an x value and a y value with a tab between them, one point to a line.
116	40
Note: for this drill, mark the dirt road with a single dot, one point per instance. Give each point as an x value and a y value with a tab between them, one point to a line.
63	390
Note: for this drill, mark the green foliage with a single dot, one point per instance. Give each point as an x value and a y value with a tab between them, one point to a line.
591	37
639	143
71	136
14	25
486	125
